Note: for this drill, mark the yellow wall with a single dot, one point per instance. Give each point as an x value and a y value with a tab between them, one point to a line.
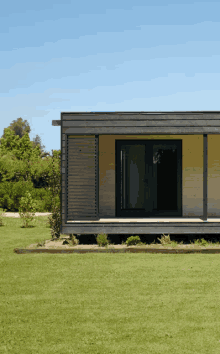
192	173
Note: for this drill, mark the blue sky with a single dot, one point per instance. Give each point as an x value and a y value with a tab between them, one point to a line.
158	55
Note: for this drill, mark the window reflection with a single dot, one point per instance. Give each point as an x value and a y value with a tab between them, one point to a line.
158	154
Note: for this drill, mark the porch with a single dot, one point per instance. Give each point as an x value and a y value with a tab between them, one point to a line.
138	226
140	172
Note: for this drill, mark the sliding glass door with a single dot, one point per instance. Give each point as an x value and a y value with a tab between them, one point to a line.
148	178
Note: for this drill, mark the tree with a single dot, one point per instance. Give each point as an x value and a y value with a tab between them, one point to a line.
37	141
40	177
23	169
22	148
20	127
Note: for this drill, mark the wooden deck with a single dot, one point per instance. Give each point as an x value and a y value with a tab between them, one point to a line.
143	226
146	220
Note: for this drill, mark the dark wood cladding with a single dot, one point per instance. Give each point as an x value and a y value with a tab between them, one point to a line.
141	115
204	122
143	123
136	228
82	178
143	130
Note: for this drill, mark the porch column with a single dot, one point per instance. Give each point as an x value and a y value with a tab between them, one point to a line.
205	176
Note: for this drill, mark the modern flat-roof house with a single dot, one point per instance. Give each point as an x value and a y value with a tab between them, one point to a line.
140	172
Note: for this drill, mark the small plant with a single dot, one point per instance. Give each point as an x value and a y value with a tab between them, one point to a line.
27	209
41	244
165	239
102	240
133	240
174	243
66	242
54	222
201	242
74	240
1	215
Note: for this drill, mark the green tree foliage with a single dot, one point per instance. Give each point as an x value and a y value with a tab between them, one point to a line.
22	169
37	141
22	148
20	127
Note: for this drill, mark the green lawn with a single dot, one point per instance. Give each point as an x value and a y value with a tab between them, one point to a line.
105	303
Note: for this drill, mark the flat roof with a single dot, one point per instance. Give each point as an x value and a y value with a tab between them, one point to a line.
140	112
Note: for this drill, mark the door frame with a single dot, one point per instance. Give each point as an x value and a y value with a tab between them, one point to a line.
118	194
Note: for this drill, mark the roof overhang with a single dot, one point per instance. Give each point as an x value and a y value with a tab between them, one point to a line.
175	122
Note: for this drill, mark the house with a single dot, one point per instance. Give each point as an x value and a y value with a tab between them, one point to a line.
140	172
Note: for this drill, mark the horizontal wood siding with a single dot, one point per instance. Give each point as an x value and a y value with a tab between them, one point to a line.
82	178
155	122
140	115
143	130
137	228
204	122
141	123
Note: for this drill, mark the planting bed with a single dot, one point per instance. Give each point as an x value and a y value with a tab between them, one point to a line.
57	246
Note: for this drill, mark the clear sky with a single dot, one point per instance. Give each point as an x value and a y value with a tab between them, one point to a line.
140	55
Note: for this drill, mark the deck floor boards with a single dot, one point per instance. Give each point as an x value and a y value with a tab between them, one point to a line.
145	220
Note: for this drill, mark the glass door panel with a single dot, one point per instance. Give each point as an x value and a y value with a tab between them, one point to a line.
165	176
132	162
148	178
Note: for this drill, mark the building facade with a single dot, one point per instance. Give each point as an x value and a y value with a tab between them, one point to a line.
140	172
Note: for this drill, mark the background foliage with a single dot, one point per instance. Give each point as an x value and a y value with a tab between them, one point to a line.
25	167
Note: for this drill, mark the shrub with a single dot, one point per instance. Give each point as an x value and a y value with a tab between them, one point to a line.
41	244
1	215
102	240
54	221
19	175
12	192
71	241
27	209
43	199
201	242
74	240
165	239
133	240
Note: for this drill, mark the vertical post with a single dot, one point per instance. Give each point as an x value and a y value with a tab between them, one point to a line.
205	176
124	180
97	172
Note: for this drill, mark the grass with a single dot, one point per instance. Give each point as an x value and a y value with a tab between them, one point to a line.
104	303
